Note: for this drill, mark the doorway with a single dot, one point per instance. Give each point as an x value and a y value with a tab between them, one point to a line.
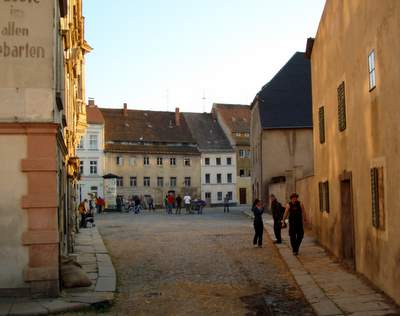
242	195
347	220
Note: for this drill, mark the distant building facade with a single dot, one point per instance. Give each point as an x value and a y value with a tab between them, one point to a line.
234	119
356	97
281	131
91	155
152	153
218	159
42	116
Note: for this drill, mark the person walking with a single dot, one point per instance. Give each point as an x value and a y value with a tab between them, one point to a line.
277	214
226	203
170	203
187	200
178	205
295	211
258	210
151	204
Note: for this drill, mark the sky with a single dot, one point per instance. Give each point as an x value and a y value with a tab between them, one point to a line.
163	54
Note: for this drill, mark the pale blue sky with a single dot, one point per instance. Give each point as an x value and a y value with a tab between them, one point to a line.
159	54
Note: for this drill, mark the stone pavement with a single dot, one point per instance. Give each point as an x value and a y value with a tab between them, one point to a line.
329	288
91	253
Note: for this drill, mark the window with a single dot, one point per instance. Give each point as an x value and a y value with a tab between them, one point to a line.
371	68
219	196
132	161
133	181
238	134
160	181
229	177
172	182
218	161
120	160
341	107
146	181
93	142
219	178
186	162
248	172
246	134
120	182
377	194
208	195
230	196
187	182
321	117
323	196
93	167
146	161
241	173
81	143
228	161
159	161
207	178
172	161
81	167
244	153
207	161
94	188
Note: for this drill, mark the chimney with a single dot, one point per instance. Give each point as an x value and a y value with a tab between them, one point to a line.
125	109
177	117
91	102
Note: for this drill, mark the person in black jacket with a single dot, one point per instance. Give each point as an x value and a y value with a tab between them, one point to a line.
295	212
258	210
277	214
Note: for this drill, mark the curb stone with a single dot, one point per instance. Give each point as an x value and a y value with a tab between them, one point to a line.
330	290
91	253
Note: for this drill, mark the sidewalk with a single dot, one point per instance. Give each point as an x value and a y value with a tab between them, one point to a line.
91	253
329	288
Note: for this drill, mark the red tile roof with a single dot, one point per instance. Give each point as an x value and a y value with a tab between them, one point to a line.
94	115
236	116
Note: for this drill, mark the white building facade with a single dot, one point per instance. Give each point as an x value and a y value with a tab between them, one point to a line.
91	156
218	177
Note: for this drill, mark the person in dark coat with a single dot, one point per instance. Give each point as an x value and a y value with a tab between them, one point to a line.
277	214
295	211
178	205
258	210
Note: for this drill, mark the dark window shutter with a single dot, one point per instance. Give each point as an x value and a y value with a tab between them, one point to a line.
326	197
375	197
321	197
341	107
321	115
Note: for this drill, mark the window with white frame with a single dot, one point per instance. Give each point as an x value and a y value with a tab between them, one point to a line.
81	143
159	161
146	181
160	182
229	178
146	161
93	142
119	160
219	196
371	68
120	182
93	167
188	182
133	181
81	167
172	161
172	182
186	162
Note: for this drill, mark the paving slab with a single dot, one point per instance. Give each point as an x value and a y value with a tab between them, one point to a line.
106	284
59	305
28	308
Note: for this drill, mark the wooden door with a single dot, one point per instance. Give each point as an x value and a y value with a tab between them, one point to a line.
242	194
347	223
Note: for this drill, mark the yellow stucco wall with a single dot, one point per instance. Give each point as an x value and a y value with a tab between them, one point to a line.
139	170
348	32
13	220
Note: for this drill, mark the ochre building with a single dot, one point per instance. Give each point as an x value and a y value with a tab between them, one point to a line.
355	88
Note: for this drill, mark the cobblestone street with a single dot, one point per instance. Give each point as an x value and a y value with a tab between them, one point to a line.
196	265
